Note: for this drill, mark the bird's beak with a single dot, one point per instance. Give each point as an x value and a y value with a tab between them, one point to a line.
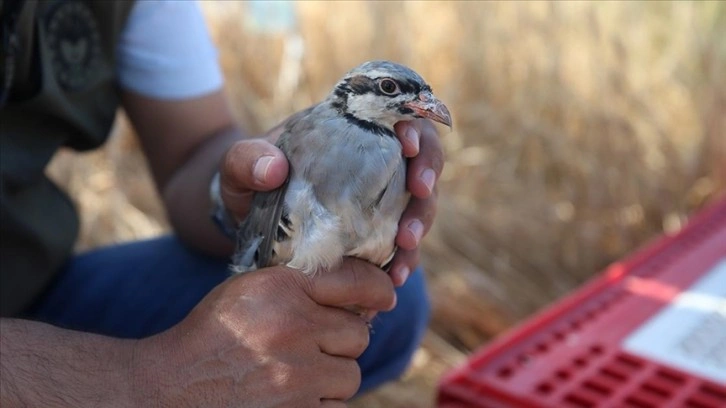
427	106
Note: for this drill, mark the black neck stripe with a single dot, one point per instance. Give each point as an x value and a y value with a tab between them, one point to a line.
369	126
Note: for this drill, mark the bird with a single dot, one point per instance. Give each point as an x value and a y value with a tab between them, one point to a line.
346	186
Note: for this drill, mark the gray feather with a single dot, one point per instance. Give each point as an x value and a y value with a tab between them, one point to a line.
346	189
255	235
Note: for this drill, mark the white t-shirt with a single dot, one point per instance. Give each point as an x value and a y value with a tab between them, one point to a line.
165	51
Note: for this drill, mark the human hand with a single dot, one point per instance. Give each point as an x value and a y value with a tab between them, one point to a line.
258	165
420	141
269	338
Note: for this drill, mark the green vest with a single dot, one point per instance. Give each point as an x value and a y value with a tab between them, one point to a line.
62	93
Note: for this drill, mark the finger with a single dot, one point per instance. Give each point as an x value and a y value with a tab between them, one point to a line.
404	262
353	283
425	168
342	380
250	165
342	333
416	221
408	133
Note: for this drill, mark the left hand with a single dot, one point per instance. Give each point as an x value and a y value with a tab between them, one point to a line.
420	141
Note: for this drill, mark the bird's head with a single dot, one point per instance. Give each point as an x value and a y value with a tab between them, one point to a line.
383	93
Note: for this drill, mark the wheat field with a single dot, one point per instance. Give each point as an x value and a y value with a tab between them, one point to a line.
581	131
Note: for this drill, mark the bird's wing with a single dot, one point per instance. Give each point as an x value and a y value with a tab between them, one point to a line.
267	220
256	235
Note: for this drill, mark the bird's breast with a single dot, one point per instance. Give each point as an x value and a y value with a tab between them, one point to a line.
348	183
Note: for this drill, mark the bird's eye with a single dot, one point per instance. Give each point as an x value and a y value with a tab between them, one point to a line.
388	87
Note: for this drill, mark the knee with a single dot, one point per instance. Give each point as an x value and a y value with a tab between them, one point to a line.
397	334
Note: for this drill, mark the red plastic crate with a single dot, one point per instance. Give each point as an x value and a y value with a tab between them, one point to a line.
649	332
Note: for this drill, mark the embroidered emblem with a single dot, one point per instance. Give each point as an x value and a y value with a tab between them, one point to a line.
75	45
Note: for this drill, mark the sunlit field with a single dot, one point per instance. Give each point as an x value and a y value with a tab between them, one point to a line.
581	131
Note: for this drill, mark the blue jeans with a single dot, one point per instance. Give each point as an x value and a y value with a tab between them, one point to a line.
138	289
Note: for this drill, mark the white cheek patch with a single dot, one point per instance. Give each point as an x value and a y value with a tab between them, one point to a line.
367	106
374	108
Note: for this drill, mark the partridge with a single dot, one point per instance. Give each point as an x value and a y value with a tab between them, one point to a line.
346	187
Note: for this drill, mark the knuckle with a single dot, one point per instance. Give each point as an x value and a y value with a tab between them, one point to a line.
241	156
410	258
354	379
272	283
415	257
423	209
422	125
238	163
437	161
358	274
362	338
371	286
432	146
430	210
231	158
294	283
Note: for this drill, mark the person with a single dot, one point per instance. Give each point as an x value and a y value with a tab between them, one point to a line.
160	322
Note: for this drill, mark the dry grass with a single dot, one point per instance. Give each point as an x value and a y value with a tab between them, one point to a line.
581	131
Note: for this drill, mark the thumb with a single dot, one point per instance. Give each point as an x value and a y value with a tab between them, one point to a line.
353	283
248	166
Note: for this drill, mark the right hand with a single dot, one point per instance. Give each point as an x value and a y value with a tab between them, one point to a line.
269	338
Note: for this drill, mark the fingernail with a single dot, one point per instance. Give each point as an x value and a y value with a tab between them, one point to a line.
412	135
395	301
416	227
428	177
403	275
261	167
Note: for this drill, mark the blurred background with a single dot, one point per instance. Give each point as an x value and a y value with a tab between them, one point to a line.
581	131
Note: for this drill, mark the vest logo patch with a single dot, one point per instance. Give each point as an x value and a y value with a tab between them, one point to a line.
75	45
